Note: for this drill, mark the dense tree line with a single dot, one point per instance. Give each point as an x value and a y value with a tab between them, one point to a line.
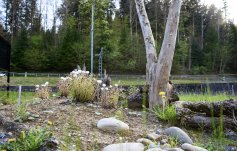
206	43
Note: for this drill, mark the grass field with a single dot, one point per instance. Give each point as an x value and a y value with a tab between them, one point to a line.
30	81
29	96
206	97
12	97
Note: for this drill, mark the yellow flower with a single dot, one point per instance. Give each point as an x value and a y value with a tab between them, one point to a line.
11	140
162	93
50	123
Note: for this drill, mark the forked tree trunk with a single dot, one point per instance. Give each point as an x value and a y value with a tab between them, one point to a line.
158	71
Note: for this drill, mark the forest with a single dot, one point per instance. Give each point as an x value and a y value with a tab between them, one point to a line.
206	41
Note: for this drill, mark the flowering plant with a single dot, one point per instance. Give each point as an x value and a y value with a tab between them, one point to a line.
109	96
43	91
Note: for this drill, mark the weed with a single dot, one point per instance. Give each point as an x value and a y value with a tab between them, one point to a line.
21	112
64	86
169	113
43	91
109	96
30	141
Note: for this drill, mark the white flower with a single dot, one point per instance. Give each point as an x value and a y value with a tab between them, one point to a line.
99	81
106	89
43	85
46	83
79	71
110	86
102	89
104	85
87	72
116	85
37	89
83	72
37	86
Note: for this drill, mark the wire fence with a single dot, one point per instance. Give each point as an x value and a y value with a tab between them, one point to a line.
203	78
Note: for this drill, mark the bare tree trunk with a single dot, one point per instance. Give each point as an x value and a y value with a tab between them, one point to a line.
158	71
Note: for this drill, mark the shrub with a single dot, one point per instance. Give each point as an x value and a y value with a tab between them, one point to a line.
168	115
43	91
64	86
109	96
83	86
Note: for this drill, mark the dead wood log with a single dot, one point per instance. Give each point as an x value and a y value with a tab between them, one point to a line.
207	115
215	108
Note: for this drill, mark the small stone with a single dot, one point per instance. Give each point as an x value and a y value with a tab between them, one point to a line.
173	149
48	112
155	149
153	145
165	146
190	147
178	134
154	137
163	141
112	125
31	118
125	147
98	113
159	131
144	141
35	115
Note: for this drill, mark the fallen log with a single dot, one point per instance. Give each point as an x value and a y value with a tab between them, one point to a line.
207	115
228	107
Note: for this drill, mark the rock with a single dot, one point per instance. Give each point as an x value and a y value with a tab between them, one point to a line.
49	111
49	145
178	134
98	113
144	141
153	146
189	147
173	149
112	125
154	137
125	147
165	146
163	141
155	149
159	131
230	148
136	100
231	135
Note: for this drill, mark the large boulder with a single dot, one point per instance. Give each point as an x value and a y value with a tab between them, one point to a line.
112	125
178	134
125	147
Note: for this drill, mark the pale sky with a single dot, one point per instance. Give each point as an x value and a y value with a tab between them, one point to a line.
231	7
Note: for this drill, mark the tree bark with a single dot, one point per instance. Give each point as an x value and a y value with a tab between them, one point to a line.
158	71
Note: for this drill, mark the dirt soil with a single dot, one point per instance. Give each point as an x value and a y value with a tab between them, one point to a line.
73	121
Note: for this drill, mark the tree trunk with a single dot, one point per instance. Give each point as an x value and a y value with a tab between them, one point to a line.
158	71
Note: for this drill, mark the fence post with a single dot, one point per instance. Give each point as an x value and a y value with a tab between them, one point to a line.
25	74
19	96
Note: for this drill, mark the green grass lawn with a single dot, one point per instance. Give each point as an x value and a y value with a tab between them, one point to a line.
13	97
29	81
205	97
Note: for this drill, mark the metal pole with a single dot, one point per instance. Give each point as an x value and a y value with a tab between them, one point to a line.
92	36
202	34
